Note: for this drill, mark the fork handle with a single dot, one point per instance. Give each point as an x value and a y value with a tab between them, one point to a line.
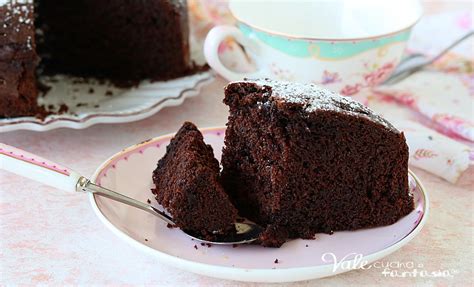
37	168
47	172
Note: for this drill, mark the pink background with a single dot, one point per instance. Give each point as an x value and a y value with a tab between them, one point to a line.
51	237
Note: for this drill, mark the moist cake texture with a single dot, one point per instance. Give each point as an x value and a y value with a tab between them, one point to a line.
18	59
301	160
188	186
121	40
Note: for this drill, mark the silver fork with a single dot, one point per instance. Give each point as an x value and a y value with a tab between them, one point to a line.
47	172
417	61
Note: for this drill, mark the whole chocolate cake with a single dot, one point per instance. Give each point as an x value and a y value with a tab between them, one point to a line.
119	40
301	160
188	186
18	59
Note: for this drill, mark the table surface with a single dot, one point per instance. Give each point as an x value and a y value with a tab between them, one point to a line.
51	237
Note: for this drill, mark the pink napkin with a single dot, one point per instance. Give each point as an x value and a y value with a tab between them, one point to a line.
433	148
432	107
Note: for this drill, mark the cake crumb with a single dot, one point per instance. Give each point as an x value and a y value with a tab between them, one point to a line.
209	245
63	108
276	261
146	239
306	245
109	93
235	245
91	90
195	247
148	200
202	243
169	225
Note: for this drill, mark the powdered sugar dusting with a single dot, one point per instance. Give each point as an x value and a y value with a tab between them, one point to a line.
3	2
313	98
16	15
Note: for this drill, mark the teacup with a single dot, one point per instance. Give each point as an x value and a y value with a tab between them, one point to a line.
343	44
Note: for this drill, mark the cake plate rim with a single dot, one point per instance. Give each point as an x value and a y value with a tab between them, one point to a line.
191	86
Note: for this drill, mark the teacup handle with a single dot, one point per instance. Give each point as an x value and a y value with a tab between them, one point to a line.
211	45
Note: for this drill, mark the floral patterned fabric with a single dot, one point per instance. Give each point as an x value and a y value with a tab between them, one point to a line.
434	107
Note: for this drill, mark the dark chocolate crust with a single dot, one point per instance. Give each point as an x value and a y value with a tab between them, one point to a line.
188	186
301	160
18	60
124	41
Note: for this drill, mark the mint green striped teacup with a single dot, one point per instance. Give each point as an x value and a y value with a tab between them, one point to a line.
345	45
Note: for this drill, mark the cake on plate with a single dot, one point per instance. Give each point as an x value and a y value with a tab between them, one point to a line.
187	184
122	41
300	160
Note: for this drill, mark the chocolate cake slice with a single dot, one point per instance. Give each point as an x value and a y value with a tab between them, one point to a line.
18	59
301	160
187	185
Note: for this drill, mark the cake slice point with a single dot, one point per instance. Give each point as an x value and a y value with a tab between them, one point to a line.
187	185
